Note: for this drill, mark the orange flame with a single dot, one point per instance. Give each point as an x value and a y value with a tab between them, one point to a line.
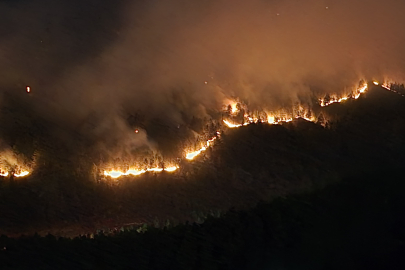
335	99
192	155
136	172
5	173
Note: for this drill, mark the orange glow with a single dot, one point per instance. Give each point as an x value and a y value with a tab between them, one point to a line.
21	174
192	155
136	172
234	108
231	125
5	173
171	169
335	99
270	117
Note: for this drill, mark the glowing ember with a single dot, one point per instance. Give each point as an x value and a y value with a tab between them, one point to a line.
4	174
375	82
28	89
136	131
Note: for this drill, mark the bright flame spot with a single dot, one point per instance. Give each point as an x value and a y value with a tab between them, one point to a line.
363	88
270	119
192	155
113	174
5	173
136	131
375	82
28	89
230	125
234	108
355	95
343	99
171	169
22	174
136	172
154	170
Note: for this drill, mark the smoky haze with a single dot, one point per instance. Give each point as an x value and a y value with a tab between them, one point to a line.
171	59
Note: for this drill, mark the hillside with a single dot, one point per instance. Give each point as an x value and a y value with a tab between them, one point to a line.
246	165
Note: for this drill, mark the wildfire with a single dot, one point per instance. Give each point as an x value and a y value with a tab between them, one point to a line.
323	102
192	155
272	120
234	108
231	125
136	172
21	174
5	173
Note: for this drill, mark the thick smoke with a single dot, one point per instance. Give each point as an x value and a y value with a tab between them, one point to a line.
176	59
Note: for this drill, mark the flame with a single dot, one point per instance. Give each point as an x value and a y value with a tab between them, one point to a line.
192	155
233	104
136	172
231	125
21	174
234	108
5	173
28	89
335	99
171	169
270	119
386	86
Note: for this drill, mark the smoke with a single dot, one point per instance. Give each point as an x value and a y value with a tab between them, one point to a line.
177	59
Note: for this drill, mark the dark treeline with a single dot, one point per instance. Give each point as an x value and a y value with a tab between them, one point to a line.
355	224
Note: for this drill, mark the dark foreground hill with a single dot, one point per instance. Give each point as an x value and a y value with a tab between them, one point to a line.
355	224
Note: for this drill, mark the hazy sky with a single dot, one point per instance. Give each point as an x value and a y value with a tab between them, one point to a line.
170	57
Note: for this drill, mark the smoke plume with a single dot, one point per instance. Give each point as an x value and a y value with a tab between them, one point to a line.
177	59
